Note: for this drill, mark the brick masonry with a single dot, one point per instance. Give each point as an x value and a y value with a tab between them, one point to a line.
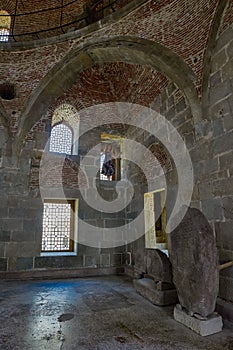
33	20
184	28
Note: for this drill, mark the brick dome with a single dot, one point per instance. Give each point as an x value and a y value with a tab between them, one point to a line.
33	20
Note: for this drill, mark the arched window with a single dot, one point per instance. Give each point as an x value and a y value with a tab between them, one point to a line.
65	129
5	24
61	139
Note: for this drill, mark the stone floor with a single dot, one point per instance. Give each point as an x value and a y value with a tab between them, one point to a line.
92	313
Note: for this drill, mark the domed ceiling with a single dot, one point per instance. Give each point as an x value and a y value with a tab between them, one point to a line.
32	20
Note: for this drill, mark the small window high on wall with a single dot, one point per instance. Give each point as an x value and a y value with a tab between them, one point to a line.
110	161
5	24
65	130
61	139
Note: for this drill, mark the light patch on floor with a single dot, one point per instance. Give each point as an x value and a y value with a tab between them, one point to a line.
93	313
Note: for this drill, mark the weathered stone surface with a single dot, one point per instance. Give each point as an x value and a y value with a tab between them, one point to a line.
224	39
225	288
140	263
225	309
148	289
219	92
218	60
42	262
212	208
215	79
224	231
218	127
158	265
105	260
3	264
227	70
211	325
195	263
116	259
24	264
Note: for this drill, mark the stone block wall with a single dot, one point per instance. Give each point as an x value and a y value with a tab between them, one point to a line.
172	105
136	77
21	207
217	199
20	218
211	153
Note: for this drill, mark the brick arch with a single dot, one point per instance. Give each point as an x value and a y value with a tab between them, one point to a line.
115	49
161	155
66	112
71	175
157	157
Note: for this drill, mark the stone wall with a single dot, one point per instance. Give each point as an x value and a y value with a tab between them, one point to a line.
172	105
21	211
216	190
210	147
21	218
162	68
22	192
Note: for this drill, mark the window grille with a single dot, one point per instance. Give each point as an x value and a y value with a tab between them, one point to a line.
61	139
4	34
58	219
5	23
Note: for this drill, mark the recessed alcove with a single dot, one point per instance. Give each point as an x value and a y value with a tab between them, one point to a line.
7	91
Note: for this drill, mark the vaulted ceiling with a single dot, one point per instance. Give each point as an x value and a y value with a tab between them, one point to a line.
32	20
181	30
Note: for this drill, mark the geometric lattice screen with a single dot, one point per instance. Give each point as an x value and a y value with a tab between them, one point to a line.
5	24
4	34
58	226
61	139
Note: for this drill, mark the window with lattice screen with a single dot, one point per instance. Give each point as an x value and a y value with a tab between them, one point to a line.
61	139
58	226
5	23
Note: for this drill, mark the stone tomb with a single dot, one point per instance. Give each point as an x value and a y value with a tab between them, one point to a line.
156	283
194	261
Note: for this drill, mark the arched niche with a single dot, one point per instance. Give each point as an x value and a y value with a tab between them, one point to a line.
125	49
